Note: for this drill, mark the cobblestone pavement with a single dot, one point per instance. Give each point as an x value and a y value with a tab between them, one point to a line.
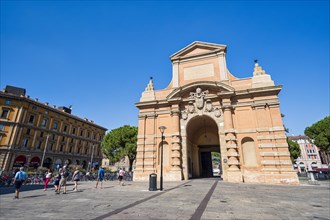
193	199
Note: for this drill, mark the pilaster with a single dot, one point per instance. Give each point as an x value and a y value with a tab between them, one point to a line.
233	173
176	164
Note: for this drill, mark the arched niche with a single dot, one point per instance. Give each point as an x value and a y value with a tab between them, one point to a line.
249	152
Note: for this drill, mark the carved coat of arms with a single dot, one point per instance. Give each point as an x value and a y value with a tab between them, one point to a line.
199	103
199	97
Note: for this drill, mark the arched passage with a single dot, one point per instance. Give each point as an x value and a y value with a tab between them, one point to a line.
202	147
58	163
48	162
35	162
19	161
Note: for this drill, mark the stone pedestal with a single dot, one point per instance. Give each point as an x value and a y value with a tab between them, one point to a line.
173	175
234	176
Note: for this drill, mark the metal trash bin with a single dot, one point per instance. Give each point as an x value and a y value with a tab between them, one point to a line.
153	182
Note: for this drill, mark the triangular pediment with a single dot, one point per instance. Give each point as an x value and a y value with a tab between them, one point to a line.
198	48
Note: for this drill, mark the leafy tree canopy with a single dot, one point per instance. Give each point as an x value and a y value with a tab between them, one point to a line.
294	150
320	133
120	142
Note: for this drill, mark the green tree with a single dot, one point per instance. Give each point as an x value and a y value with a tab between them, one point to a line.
120	142
294	150
216	156
320	133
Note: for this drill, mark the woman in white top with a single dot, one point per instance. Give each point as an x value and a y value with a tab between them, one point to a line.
48	178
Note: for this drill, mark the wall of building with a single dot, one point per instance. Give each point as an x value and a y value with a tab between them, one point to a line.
309	154
31	125
246	113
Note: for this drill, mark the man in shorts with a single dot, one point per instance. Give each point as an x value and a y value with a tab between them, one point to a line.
19	179
100	177
64	178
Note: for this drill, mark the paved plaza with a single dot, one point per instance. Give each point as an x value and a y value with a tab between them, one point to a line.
193	199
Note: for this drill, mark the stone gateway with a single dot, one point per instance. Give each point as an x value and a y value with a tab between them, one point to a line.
207	109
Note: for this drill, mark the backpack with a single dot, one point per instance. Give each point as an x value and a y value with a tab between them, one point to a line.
65	173
21	176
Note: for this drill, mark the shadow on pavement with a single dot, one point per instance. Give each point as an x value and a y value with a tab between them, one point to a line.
27	197
11	189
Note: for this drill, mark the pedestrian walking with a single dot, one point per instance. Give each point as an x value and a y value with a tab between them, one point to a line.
57	181
64	177
48	177
75	179
121	175
100	177
88	176
19	179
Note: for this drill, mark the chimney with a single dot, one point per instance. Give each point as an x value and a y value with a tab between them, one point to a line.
15	90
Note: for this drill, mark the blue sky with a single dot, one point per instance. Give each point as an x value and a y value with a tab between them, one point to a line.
98	55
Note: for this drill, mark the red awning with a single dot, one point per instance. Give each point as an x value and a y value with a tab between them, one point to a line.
20	159
35	160
321	169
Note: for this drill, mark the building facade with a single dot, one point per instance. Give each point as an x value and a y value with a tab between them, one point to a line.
123	163
207	109
309	154
34	133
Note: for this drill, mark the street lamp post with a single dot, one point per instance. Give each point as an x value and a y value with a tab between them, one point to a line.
91	164
161	129
43	156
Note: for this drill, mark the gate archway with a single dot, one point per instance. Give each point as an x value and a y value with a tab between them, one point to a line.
48	162
204	94
202	140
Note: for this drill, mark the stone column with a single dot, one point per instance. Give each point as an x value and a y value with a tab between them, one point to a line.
233	173
176	142
222	65
176	165
18	140
145	157
13	137
75	151
140	144
57	149
175	73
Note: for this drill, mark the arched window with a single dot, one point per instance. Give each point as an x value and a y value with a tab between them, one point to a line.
249	152
314	165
